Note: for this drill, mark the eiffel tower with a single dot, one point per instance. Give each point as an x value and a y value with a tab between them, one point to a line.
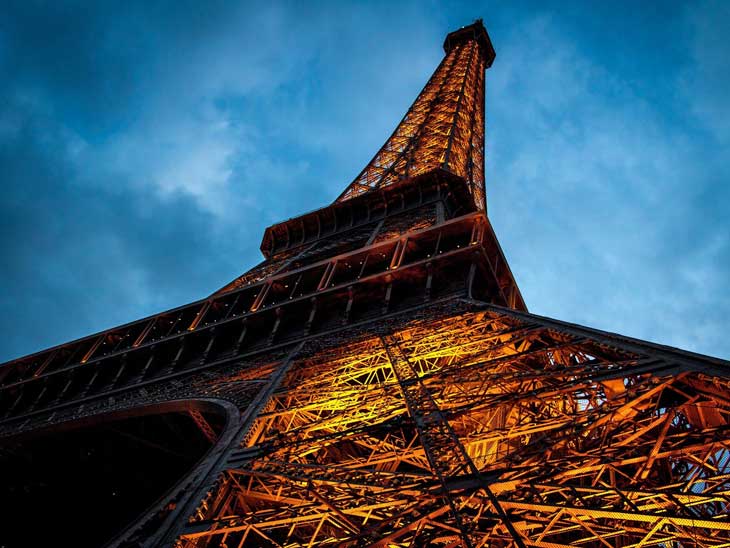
376	381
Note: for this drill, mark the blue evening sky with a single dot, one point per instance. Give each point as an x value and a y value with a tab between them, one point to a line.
145	146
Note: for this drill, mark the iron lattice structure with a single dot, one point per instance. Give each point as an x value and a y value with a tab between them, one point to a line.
379	381
444	128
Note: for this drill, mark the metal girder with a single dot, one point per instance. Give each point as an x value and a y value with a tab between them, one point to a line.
389	387
443	128
485	429
191	337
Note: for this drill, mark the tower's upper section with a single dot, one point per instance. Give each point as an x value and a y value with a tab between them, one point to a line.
475	31
444	128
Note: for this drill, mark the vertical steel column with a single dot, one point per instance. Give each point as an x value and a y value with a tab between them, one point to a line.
176	521
444	451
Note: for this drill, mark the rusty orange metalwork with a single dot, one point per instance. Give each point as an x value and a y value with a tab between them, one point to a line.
490	428
444	128
390	388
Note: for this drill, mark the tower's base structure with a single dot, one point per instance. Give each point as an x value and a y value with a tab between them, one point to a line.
376	381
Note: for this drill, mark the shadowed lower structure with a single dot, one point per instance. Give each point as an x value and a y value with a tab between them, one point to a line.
376	381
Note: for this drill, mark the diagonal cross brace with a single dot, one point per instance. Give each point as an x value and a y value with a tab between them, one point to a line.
442	447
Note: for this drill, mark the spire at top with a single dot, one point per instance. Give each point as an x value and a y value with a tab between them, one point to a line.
475	31
444	127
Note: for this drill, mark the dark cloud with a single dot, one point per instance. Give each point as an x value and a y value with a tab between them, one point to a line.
80	257
608	199
144	148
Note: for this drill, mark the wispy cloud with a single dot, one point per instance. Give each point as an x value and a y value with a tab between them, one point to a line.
595	195
707	80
